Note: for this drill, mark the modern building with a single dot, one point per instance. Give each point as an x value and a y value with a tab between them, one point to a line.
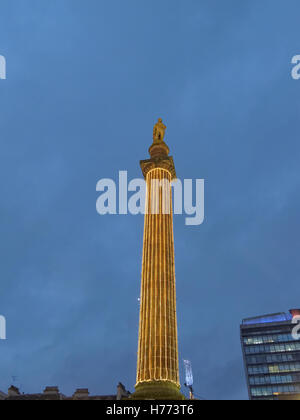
271	356
157	365
288	397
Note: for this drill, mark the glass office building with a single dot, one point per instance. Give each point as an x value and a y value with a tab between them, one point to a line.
271	356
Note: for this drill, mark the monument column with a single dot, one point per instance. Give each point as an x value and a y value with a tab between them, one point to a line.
157	366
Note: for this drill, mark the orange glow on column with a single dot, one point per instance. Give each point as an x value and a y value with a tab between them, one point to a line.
158	342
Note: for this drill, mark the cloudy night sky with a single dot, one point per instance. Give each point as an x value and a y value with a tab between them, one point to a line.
86	81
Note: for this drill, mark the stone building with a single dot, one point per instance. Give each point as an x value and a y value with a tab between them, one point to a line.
53	394
2	396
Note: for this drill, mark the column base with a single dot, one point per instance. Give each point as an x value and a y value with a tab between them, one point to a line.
157	390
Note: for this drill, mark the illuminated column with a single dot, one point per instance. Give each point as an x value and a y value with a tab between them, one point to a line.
157	366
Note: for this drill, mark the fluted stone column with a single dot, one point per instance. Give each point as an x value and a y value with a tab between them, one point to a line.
157	366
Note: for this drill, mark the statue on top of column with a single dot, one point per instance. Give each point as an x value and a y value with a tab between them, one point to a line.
159	131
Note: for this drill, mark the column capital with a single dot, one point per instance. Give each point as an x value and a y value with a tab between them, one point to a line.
166	163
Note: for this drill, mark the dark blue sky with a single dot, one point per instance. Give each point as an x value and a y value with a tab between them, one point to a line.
86	81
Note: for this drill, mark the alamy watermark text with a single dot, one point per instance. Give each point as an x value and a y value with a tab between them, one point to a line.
160	203
2	328
2	67
296	329
296	68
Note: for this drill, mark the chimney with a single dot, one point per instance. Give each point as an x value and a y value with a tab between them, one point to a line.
13	391
81	394
50	390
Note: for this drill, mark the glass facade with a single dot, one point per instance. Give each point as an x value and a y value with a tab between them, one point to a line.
271	356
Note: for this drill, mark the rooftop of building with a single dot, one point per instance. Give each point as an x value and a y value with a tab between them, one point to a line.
272	318
53	393
2	395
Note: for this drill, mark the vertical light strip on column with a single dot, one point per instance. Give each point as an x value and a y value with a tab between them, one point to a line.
157	353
